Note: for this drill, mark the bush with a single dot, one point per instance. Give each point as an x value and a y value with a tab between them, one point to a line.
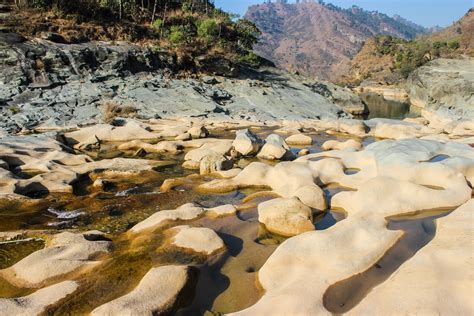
157	25
454	44
207	29
176	35
251	58
247	33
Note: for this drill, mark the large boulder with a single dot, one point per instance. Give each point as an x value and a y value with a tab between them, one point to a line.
247	143
214	162
275	148
197	239
198	131
286	217
299	140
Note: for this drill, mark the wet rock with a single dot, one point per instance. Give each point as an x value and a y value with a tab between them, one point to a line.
338	145
213	163
299	140
197	239
286	217
275	148
247	143
37	303
66	253
157	293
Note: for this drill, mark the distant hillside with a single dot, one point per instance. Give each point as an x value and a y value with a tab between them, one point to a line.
320	39
390	60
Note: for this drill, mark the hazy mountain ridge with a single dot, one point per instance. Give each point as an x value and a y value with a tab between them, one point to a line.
320	39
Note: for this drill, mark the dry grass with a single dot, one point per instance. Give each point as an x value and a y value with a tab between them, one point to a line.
111	110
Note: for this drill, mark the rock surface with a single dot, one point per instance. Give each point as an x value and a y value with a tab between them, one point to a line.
285	217
299	140
184	212
66	253
197	239
247	143
435	271
356	243
444	85
80	78
275	148
37	303
156	293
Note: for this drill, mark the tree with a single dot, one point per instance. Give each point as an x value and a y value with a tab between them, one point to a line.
247	33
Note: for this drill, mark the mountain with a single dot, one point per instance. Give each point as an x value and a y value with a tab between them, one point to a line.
390	60
320	39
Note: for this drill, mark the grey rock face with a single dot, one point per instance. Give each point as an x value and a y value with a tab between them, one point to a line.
444	85
45	84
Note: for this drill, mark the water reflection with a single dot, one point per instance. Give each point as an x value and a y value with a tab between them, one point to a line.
379	107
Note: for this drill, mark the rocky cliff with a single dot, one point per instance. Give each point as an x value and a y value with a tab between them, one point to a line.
320	39
45	84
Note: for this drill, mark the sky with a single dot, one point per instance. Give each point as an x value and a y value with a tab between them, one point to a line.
424	12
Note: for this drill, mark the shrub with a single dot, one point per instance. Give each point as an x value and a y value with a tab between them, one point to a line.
177	35
454	44
247	33
207	29
251	58
158	24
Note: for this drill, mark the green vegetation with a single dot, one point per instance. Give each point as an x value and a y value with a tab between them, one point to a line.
189	27
409	55
208	29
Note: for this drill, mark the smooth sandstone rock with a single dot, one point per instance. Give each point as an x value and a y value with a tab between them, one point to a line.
66	253
36	303
338	145
288	179
104	132
356	243
184	212
156	293
223	210
437	280
197	239
299	140
286	217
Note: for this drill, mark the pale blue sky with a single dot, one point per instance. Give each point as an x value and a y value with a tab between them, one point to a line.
424	12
